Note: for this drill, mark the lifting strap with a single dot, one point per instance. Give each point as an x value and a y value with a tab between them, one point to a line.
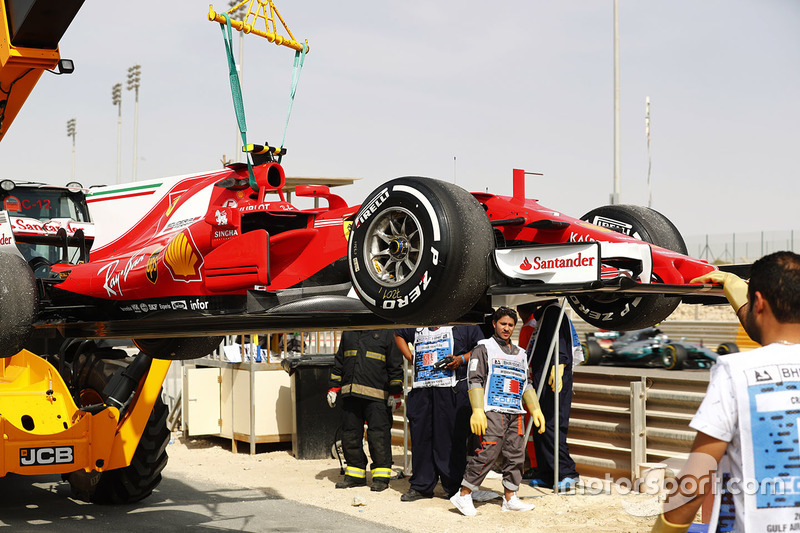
236	93
299	58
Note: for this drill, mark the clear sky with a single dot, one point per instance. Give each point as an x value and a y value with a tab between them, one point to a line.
458	90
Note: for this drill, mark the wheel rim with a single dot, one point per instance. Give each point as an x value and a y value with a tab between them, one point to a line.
394	244
669	357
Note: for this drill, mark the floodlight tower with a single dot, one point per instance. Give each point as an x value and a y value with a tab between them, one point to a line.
116	99
134	79
72	132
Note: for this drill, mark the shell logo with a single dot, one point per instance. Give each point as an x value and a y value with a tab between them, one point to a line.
182	258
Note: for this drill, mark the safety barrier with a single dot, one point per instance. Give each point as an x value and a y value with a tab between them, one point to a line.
623	417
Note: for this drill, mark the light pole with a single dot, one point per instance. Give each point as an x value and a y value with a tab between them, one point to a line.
71	132
116	99
134	79
617	180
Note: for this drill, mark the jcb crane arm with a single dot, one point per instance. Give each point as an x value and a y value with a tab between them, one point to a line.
29	34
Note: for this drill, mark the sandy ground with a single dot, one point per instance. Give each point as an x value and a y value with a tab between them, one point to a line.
273	468
605	509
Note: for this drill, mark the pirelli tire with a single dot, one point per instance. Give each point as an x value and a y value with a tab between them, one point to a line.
178	348
620	312
419	251
592	352
674	356
19	300
92	370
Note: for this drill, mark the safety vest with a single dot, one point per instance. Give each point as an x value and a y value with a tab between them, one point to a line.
431	346
506	378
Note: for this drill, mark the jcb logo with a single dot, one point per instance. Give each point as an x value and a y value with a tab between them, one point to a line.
46	456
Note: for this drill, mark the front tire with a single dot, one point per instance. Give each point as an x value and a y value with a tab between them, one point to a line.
674	356
19	299
91	370
626	313
419	251
727	347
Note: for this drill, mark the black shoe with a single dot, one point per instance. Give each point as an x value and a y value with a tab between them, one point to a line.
379	485
413	495
350	482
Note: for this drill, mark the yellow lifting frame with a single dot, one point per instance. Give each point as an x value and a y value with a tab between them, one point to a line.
266	10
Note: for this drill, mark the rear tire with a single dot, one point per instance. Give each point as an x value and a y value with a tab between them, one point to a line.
592	352
625	313
419	251
674	356
132	483
727	347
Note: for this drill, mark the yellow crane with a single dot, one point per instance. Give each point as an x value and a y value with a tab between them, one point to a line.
29	35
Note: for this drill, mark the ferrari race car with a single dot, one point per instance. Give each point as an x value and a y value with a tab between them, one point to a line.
649	347
178	262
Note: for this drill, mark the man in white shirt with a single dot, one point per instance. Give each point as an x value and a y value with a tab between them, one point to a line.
751	411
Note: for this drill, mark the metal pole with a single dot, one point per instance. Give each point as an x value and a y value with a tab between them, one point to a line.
649	162
617	180
135	133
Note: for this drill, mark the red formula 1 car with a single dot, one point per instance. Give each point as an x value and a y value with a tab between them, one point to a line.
176	263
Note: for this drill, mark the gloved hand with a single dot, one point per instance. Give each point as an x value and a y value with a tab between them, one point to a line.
735	287
532	405
477	422
552	380
333	392
395	401
664	526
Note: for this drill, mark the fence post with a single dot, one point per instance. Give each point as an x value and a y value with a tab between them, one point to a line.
638	428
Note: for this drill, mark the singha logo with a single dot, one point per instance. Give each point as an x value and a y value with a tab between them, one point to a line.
222	217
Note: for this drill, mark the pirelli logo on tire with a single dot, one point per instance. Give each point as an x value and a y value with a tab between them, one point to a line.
48	455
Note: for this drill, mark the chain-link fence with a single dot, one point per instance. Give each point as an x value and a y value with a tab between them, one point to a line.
741	247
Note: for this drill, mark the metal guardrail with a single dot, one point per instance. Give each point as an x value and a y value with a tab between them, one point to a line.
622	417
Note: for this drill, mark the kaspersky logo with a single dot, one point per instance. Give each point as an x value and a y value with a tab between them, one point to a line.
182	258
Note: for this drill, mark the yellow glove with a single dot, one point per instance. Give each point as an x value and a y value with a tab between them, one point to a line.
664	526
532	405
735	287
552	380
477	422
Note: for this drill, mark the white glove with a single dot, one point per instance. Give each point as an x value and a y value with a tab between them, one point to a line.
332	398
394	402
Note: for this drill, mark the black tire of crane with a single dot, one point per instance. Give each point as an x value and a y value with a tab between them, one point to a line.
18	304
138	480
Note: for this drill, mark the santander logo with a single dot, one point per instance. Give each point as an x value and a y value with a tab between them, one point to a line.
558	263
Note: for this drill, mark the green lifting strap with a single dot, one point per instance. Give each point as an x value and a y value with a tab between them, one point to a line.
299	58
236	93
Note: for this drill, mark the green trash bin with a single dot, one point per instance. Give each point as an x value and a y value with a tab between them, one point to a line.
314	423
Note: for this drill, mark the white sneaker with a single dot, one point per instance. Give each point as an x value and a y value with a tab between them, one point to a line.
484	495
515	504
464	504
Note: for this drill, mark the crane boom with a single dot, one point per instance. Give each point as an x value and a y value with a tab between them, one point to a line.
29	35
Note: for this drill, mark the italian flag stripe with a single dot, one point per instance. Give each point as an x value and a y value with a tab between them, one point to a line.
127	192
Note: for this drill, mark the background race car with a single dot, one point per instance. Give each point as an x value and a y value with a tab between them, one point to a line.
649	347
